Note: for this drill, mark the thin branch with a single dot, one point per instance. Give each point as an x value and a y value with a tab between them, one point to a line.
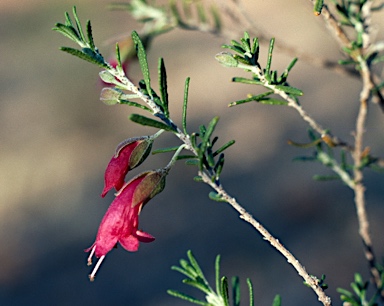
292	103
312	281
359	188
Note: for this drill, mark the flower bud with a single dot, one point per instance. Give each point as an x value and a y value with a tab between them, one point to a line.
129	154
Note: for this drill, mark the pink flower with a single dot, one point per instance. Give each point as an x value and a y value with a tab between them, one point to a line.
129	154
120	222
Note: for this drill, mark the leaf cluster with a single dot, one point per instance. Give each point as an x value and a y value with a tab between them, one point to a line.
358	295
160	18
213	297
352	14
209	159
247	57
74	32
325	154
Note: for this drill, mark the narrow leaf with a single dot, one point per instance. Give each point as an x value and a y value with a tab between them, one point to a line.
197	284
246	81
187	297
217	273
185	105
163	87
185	272
89	34
134	104
78	24
85	56
68	20
224	147
219	166
251	294
277	300
290	90
142	55
165	150
149	122
194	264
269	59
224	290
67	31
236	291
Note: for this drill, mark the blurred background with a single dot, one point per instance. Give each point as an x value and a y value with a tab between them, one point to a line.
57	138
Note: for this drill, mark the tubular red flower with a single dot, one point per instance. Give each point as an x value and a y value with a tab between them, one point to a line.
120	222
129	154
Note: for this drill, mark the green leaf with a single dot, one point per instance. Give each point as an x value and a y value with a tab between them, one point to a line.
259	98
277	300
197	284
163	87
205	140
142	55
247	81
67	31
224	290
149	122
194	264
185	105
216	197
89	34
224	147
219	166
290	90
78	24
236	291
251	294
217	273
86	56
165	150
186	297
135	104
269	59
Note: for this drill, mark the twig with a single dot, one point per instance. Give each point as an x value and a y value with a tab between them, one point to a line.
365	95
312	281
359	188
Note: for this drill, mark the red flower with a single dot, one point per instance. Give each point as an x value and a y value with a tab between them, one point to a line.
129	154
121	221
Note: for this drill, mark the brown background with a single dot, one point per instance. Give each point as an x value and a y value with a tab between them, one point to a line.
57	137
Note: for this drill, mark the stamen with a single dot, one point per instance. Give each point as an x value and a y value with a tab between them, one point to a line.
89	262
92	275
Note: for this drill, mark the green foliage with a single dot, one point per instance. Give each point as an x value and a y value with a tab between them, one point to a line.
209	159
358	296
213	297
163	17
89	52
247	57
